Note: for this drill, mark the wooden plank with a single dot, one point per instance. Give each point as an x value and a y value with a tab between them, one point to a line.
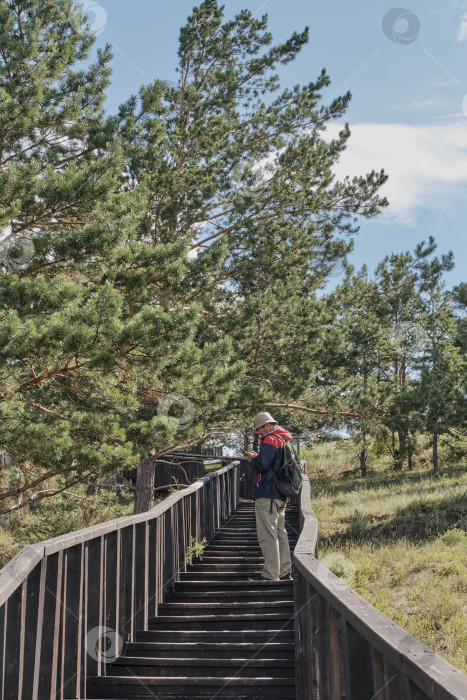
126	604
59	631
167	554
392	683
13	638
152	566
415	693
2	648
48	624
111	580
111	600
141	577
201	507
344	647
302	623
160	563
175	543
332	651
360	669
308	540
30	633
310	639
379	683
179	514
17	569
94	605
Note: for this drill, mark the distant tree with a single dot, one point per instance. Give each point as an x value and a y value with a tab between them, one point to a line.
459	298
400	310
440	396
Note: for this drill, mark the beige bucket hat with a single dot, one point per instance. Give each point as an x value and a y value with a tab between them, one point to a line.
261	419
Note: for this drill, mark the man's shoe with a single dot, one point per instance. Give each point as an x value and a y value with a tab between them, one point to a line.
258	578
287	577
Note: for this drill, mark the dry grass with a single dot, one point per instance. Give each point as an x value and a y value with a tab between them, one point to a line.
401	540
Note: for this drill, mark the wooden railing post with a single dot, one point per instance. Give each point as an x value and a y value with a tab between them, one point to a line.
13	672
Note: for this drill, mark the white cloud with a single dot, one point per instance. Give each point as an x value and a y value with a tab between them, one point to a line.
462	29
423	105
427	165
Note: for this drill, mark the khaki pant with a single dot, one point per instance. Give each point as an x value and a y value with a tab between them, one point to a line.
272	537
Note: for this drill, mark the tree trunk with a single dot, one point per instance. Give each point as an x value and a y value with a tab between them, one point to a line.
362	457
93	488
120	485
410	451
246	441
145	473
402	449
435	453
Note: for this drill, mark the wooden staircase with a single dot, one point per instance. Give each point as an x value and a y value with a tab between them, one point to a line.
217	635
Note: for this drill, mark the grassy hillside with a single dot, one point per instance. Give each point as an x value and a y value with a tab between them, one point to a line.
398	539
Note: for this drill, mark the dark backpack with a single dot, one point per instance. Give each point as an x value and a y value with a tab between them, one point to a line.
289	476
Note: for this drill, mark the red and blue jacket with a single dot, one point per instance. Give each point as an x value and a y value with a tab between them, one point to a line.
268	463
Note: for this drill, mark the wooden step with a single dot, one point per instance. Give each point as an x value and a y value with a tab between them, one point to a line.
213	546
259	636
222	608
225	566
189	687
230	559
266	593
226	584
238	621
219	650
208	575
146	666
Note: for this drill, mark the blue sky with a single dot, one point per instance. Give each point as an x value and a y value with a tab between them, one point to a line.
406	66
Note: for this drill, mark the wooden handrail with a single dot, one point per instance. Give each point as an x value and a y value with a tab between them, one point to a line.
62	601
346	648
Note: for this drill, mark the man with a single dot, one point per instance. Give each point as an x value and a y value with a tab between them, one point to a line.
269	504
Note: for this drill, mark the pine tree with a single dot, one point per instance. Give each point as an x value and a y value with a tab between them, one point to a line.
440	395
242	219
62	213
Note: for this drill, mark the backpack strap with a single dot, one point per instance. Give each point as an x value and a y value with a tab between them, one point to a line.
272	500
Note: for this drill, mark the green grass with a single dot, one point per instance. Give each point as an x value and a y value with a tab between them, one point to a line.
399	540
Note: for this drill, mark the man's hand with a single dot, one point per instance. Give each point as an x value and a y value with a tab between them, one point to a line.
250	455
